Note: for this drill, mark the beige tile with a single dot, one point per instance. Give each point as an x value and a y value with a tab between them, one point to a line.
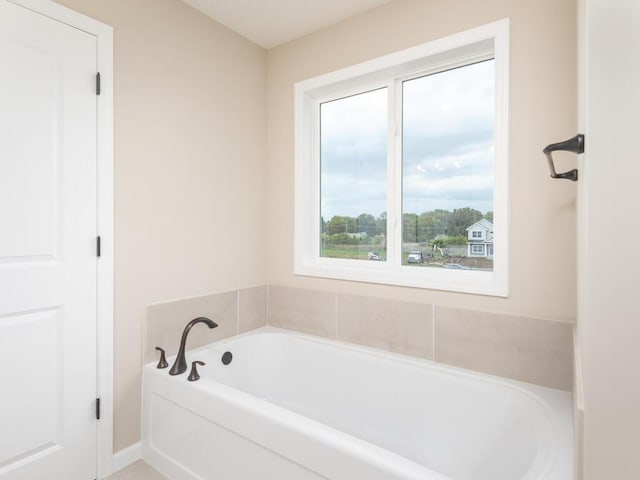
252	308
137	471
308	311
525	349
402	327
166	321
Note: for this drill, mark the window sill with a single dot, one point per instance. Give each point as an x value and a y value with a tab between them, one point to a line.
433	278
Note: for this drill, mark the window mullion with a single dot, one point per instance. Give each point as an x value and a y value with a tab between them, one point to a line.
394	183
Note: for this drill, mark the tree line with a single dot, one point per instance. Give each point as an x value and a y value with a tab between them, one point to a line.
421	228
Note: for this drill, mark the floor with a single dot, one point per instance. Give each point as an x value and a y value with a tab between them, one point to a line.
137	471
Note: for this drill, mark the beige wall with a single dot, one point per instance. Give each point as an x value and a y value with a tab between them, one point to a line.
190	111
543	110
191	132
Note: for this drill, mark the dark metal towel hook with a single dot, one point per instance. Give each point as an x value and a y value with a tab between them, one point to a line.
575	145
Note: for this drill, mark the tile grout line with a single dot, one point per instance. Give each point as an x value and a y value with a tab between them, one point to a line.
238	312
433	331
335	313
267	305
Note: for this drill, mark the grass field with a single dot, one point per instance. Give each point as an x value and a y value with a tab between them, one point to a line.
359	252
354	252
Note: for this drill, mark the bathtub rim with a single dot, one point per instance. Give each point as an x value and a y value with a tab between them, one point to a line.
554	403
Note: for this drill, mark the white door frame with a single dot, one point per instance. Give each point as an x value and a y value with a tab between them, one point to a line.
104	37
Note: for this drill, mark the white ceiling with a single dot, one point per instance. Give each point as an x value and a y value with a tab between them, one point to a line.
272	22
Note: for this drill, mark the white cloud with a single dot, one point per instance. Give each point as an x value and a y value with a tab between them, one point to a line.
447	146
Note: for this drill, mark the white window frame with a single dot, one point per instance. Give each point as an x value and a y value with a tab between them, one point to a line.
478	44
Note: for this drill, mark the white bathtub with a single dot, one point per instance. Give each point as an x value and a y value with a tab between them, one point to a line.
291	406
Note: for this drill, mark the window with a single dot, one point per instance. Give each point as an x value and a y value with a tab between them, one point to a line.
353	175
399	158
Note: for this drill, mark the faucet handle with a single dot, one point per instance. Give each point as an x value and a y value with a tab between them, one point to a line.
193	376
162	363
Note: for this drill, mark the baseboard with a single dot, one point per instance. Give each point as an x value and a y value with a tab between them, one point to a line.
127	456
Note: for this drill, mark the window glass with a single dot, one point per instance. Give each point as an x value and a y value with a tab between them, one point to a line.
353	177
448	166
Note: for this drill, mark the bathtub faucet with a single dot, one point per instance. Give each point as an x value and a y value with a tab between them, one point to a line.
180	365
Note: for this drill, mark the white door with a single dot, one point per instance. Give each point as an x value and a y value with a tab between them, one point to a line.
48	261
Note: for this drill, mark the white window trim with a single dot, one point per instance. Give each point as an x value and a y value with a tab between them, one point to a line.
488	41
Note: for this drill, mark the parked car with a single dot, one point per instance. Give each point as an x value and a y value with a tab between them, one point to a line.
455	266
374	256
415	256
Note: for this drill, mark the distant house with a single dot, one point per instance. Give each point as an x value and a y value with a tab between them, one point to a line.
480	239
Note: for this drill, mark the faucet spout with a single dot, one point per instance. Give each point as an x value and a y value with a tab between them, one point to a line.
180	365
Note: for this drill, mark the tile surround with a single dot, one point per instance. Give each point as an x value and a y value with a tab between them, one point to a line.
402	327
307	311
526	349
252	308
230	310
522	348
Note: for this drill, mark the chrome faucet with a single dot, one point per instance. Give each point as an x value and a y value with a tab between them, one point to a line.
180	365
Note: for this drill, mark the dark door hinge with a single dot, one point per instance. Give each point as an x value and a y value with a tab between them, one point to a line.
98	83
97	409
98	245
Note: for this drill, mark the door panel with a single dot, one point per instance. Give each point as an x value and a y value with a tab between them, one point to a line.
47	248
28	230
34	424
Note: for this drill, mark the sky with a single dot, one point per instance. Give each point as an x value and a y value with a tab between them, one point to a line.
447	139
